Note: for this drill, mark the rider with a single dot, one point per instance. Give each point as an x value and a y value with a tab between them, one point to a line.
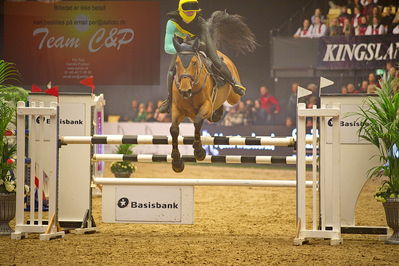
187	21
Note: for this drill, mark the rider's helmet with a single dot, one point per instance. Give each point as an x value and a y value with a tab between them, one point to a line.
188	5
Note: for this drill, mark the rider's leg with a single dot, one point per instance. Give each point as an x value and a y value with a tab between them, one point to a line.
165	107
218	63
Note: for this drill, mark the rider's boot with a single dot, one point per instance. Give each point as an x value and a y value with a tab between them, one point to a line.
226	74
165	106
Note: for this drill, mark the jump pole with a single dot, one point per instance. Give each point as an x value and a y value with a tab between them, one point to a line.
228	159
183	140
196	182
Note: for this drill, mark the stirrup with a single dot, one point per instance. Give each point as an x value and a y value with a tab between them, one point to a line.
165	106
239	89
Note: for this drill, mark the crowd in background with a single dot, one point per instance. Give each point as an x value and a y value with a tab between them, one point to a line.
264	110
351	17
345	18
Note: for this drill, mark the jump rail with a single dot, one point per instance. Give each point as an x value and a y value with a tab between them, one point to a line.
229	159
167	140
196	182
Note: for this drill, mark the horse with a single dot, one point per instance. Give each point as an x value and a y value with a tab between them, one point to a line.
196	92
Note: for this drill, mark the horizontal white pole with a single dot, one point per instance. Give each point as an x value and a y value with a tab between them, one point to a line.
195	182
37	111
182	140
227	159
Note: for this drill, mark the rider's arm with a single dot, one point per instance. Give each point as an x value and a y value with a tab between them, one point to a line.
170	33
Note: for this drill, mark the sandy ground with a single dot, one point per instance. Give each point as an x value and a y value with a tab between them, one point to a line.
233	226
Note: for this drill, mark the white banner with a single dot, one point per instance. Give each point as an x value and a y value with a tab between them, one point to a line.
148	204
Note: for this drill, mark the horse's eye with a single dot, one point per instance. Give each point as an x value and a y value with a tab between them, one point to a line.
194	63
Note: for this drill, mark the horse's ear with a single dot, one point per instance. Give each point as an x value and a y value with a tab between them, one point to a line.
196	44
176	44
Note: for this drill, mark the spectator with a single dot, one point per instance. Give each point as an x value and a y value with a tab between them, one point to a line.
269	105
375	28
292	101
317	13
141	115
242	112
334	29
352	89
355	4
344	90
344	14
250	112
289	123
387	19
311	102
133	112
257	113
305	31
373	85
160	117
363	87
319	29
233	118
361	30
150	113
356	17
368	7
347	29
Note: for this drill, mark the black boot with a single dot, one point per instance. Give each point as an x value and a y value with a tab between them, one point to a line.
165	106
226	74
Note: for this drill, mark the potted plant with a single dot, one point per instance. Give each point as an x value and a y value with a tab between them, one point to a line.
123	169
9	95
380	126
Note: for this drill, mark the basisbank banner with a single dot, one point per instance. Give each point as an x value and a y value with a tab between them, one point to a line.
358	52
66	41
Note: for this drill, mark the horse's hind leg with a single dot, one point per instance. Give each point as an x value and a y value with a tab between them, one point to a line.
199	152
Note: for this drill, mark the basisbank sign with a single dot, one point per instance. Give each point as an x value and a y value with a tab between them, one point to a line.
358	52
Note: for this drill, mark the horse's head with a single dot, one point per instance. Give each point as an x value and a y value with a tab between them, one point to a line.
187	63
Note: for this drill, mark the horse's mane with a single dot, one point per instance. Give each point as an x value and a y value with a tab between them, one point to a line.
231	32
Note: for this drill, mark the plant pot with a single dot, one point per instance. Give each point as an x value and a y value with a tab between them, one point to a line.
7	212
392	214
122	174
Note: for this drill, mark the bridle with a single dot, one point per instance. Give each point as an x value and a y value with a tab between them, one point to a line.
194	80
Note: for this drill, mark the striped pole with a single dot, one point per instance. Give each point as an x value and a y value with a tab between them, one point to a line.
164	140
229	159
195	182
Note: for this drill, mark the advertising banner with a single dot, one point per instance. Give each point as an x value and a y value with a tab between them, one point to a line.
116	42
358	52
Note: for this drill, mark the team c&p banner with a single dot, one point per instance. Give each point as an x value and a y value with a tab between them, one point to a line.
116	42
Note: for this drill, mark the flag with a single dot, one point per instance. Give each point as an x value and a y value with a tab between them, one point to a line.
89	82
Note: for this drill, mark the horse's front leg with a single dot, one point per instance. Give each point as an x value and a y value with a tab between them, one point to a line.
177	162
204	112
199	152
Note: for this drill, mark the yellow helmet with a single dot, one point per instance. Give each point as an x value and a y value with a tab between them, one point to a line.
188	5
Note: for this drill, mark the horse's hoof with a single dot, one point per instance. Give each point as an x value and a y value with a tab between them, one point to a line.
178	166
199	154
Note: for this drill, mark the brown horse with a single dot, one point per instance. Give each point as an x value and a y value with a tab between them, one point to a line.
195	95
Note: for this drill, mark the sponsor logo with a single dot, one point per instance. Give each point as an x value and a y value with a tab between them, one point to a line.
123	203
154	205
353	123
71	122
360	52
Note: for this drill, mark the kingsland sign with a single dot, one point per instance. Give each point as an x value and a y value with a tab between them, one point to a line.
358	52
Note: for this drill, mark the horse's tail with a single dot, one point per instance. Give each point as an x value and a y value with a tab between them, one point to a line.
231	32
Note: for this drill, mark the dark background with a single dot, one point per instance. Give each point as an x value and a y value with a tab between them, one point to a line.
255	69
